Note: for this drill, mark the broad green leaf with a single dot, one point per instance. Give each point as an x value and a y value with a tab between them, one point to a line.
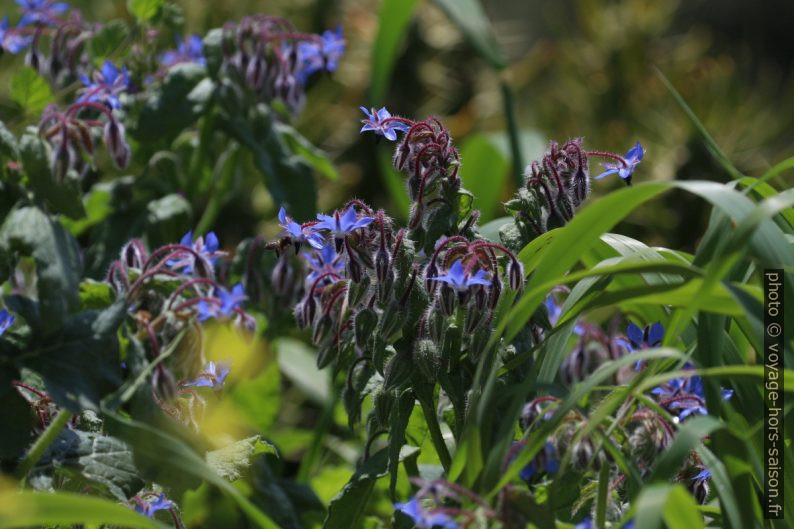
167	111
8	143
470	18
259	399
97	205
231	461
172	459
30	91
347	507
36	509
107	40
670	504
167	219
401	414
393	20
144	10
79	362
484	172
299	365
62	196
30	232
300	146
98	458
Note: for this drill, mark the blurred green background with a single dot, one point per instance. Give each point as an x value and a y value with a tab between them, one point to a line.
577	68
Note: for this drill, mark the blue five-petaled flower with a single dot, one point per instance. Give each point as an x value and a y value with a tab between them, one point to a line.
425	519
633	158
226	302
213	377
207	248
41	12
298	233
341	225
460	280
159	503
11	40
6	320
106	85
377	122
190	50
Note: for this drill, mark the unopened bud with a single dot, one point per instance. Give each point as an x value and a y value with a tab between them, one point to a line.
382	265
446	297
282	276
133	254
430	272
322	328
427	359
515	274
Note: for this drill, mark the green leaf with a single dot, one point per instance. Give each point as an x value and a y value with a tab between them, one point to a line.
15	416
8	143
470	18
347	507
97	206
288	177
401	414
230	461
144	10
259	398
167	219
30	232
168	111
61	196
79	362
173	460
298	363
35	509
98	458
30	91
667	503
107	40
304	148
393	20
484	172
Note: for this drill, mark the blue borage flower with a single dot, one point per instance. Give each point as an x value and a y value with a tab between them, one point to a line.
342	224
587	523
107	84
425	518
11	40
149	507
190	50
6	320
684	396
546	461
207	248
323	261
41	12
212	377
624	170
225	303
317	56
460	280
382	124
299	234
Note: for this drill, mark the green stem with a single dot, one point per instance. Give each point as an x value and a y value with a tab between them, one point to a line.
42	443
435	432
603	493
322	428
513	133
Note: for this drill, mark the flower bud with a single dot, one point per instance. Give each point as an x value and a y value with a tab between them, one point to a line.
133	254
354	269
397	371
582	454
383	402
446	299
164	384
427	359
309	310
495	292
515	273
583	361
116	143
382	265
61	161
430	272
322	329
282	276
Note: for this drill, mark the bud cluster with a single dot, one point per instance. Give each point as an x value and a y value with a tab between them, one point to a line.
274	60
557	185
170	291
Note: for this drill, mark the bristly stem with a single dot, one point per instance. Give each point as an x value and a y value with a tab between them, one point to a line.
513	133
42	443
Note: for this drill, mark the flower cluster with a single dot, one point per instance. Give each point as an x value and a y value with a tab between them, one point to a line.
557	185
274	60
